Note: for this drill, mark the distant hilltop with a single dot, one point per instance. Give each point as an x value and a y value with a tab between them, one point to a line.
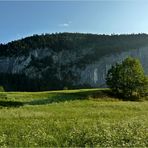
71	60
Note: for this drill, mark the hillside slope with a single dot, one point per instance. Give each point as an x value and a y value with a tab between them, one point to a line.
73	60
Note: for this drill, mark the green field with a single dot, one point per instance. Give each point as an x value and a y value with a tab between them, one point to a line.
71	118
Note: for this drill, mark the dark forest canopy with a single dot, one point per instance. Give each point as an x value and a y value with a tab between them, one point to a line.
104	44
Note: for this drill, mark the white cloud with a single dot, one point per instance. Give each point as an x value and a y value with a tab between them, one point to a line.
65	24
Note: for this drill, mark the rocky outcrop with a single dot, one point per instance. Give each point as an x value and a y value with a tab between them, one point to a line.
66	64
95	73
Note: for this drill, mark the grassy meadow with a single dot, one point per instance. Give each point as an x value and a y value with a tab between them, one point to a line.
76	118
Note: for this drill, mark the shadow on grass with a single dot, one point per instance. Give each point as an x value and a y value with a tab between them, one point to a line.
62	97
56	98
59	97
10	103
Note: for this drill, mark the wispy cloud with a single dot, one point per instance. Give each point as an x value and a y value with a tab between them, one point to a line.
65	24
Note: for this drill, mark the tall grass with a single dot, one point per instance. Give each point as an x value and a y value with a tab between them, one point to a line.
72	118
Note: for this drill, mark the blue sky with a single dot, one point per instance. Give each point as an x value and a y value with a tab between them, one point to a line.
23	18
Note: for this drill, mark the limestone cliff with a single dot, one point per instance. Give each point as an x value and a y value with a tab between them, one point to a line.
77	67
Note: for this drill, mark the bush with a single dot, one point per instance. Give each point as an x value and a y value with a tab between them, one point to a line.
127	79
2	95
2	89
65	88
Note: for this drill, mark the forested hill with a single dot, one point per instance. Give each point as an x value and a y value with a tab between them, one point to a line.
73	60
102	44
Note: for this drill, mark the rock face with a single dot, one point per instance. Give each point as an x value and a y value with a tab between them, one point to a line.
67	64
95	73
73	60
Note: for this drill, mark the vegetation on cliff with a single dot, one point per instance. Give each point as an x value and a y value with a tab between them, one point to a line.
99	45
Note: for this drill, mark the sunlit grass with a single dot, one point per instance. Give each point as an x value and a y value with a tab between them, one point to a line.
72	118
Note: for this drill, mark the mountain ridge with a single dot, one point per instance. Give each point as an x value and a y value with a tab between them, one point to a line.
73	60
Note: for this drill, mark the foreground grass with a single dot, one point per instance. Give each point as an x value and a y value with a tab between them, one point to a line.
71	118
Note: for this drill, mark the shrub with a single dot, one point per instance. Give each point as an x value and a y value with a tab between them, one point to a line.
65	88
127	79
2	89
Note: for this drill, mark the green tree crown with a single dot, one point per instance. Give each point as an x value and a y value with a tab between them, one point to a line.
127	79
